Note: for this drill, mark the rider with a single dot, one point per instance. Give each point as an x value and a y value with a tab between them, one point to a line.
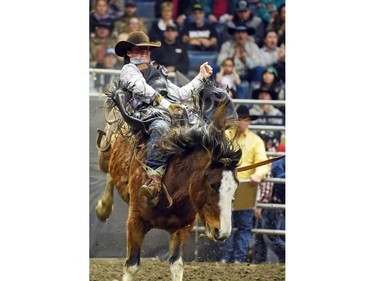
156	93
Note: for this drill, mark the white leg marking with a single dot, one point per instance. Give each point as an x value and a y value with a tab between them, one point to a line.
129	273
177	270
227	188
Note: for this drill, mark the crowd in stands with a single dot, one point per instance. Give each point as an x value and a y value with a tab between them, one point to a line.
248	38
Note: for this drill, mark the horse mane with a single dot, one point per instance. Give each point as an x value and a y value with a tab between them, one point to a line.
209	137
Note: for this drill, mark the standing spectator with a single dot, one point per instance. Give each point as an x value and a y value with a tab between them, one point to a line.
244	16
172	54
110	61
159	26
270	52
272	219
228	78
99	15
101	40
132	24
268	114
199	35
235	248
244	52
267	10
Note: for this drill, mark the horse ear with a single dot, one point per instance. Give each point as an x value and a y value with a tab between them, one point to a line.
227	90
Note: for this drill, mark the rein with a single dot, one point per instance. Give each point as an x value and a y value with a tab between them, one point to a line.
261	163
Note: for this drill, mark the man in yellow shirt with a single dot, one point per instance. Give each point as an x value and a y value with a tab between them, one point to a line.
235	248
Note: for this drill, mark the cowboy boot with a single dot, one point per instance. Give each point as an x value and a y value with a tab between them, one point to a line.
152	188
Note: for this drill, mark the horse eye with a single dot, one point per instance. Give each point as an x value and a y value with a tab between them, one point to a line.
214	187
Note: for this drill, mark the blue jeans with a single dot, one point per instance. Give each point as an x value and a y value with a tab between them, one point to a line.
271	219
156	129
235	248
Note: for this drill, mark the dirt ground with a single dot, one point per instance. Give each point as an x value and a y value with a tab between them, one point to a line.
152	269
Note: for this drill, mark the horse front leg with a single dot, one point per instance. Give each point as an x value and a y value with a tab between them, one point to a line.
104	206
135	235
177	247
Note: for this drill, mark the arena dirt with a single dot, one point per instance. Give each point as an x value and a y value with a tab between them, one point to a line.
152	269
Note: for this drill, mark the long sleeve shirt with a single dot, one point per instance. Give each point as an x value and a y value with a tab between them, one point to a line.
253	151
134	81
253	56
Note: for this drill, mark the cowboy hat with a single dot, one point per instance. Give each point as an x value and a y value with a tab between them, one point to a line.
243	112
265	89
136	38
233	29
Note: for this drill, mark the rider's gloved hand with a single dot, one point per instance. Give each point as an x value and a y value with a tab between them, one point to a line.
173	108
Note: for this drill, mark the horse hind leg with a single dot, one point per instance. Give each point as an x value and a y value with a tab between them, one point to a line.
104	206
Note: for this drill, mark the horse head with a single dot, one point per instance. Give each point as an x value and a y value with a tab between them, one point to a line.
207	164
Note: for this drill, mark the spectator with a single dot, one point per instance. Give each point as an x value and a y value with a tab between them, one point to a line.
271	54
130	10
172	54
266	111
99	15
270	79
101	40
228	78
181	10
267	10
244	52
159	26
279	25
218	11
244	16
199	35
132	24
115	8
235	248
272	219
110	61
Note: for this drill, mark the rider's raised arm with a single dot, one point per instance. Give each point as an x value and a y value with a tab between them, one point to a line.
194	86
134	81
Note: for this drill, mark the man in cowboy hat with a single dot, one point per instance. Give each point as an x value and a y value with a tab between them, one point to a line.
243	51
235	248
153	92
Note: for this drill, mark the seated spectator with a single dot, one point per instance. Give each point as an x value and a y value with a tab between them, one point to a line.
101	40
181	10
130	10
244	16
133	23
100	14
159	26
115	8
244	52
271	54
110	61
218	11
266	111
199	35
279	25
267	11
228	78
270	79
172	54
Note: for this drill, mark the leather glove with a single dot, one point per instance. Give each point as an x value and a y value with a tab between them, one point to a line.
173	108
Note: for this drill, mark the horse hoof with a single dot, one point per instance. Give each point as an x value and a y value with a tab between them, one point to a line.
103	212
